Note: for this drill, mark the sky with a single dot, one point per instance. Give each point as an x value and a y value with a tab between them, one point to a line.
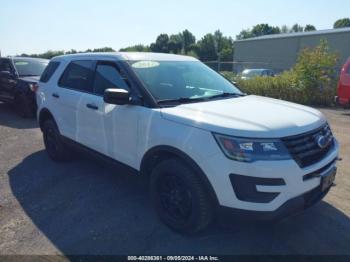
35	26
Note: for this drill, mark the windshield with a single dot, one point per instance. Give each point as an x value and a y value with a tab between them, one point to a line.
171	80
29	67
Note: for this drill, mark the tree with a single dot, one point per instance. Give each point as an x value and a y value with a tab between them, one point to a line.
206	48
344	22
136	48
285	29
188	39
315	72
103	49
259	30
309	28
244	34
161	45
265	29
297	28
175	44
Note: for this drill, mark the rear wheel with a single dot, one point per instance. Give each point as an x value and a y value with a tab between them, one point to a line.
179	197
54	145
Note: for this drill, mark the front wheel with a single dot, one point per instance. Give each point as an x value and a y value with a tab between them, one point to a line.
180	198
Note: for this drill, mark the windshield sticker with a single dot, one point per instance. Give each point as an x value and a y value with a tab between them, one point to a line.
20	63
145	64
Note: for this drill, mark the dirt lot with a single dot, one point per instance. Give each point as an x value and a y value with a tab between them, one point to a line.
84	207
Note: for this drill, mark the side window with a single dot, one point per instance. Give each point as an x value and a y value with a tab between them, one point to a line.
107	76
348	70
49	71
78	75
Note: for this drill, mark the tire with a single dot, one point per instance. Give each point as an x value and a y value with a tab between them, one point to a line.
54	145
24	107
180	198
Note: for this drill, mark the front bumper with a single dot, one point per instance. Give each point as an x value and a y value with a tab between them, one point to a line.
289	208
296	181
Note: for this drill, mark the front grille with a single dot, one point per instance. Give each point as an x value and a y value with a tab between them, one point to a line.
304	148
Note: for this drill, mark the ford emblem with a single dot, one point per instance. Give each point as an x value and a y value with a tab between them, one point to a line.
322	141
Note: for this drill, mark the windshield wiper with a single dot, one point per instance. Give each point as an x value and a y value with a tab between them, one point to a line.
181	100
198	99
225	94
29	75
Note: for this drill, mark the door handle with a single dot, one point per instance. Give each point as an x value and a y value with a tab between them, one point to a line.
91	106
55	95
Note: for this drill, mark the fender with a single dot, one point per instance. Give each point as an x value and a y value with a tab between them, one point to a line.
159	153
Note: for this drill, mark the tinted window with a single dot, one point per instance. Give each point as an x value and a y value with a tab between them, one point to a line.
30	67
348	71
78	76
107	76
48	72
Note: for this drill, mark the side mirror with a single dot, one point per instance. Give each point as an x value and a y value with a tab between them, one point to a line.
116	96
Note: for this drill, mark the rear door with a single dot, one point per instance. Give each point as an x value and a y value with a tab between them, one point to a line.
74	84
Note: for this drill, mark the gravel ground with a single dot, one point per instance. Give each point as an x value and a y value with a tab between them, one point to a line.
85	207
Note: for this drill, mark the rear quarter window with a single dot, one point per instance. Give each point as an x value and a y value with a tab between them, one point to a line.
49	71
78	76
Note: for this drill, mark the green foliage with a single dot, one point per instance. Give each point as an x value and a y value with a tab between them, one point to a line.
309	28
50	54
259	30
265	29
136	48
296	28
161	45
211	47
315	72
175	44
188	39
312	81
206	48
102	50
214	46
47	55
344	22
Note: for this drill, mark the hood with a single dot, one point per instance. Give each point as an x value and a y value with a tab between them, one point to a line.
249	116
29	79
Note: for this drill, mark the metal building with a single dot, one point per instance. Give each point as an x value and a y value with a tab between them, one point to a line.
280	52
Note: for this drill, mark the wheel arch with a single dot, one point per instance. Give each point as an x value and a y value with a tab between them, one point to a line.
44	115
159	153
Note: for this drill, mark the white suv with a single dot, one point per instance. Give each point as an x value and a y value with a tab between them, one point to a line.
204	144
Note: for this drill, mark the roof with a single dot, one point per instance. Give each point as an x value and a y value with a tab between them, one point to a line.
129	56
300	34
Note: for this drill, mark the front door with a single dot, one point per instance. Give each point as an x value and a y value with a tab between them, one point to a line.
106	128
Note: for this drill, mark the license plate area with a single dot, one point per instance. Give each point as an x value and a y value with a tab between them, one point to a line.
328	178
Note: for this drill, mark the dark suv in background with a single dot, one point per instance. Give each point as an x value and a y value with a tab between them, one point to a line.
18	82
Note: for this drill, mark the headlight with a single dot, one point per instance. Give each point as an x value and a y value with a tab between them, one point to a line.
249	150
